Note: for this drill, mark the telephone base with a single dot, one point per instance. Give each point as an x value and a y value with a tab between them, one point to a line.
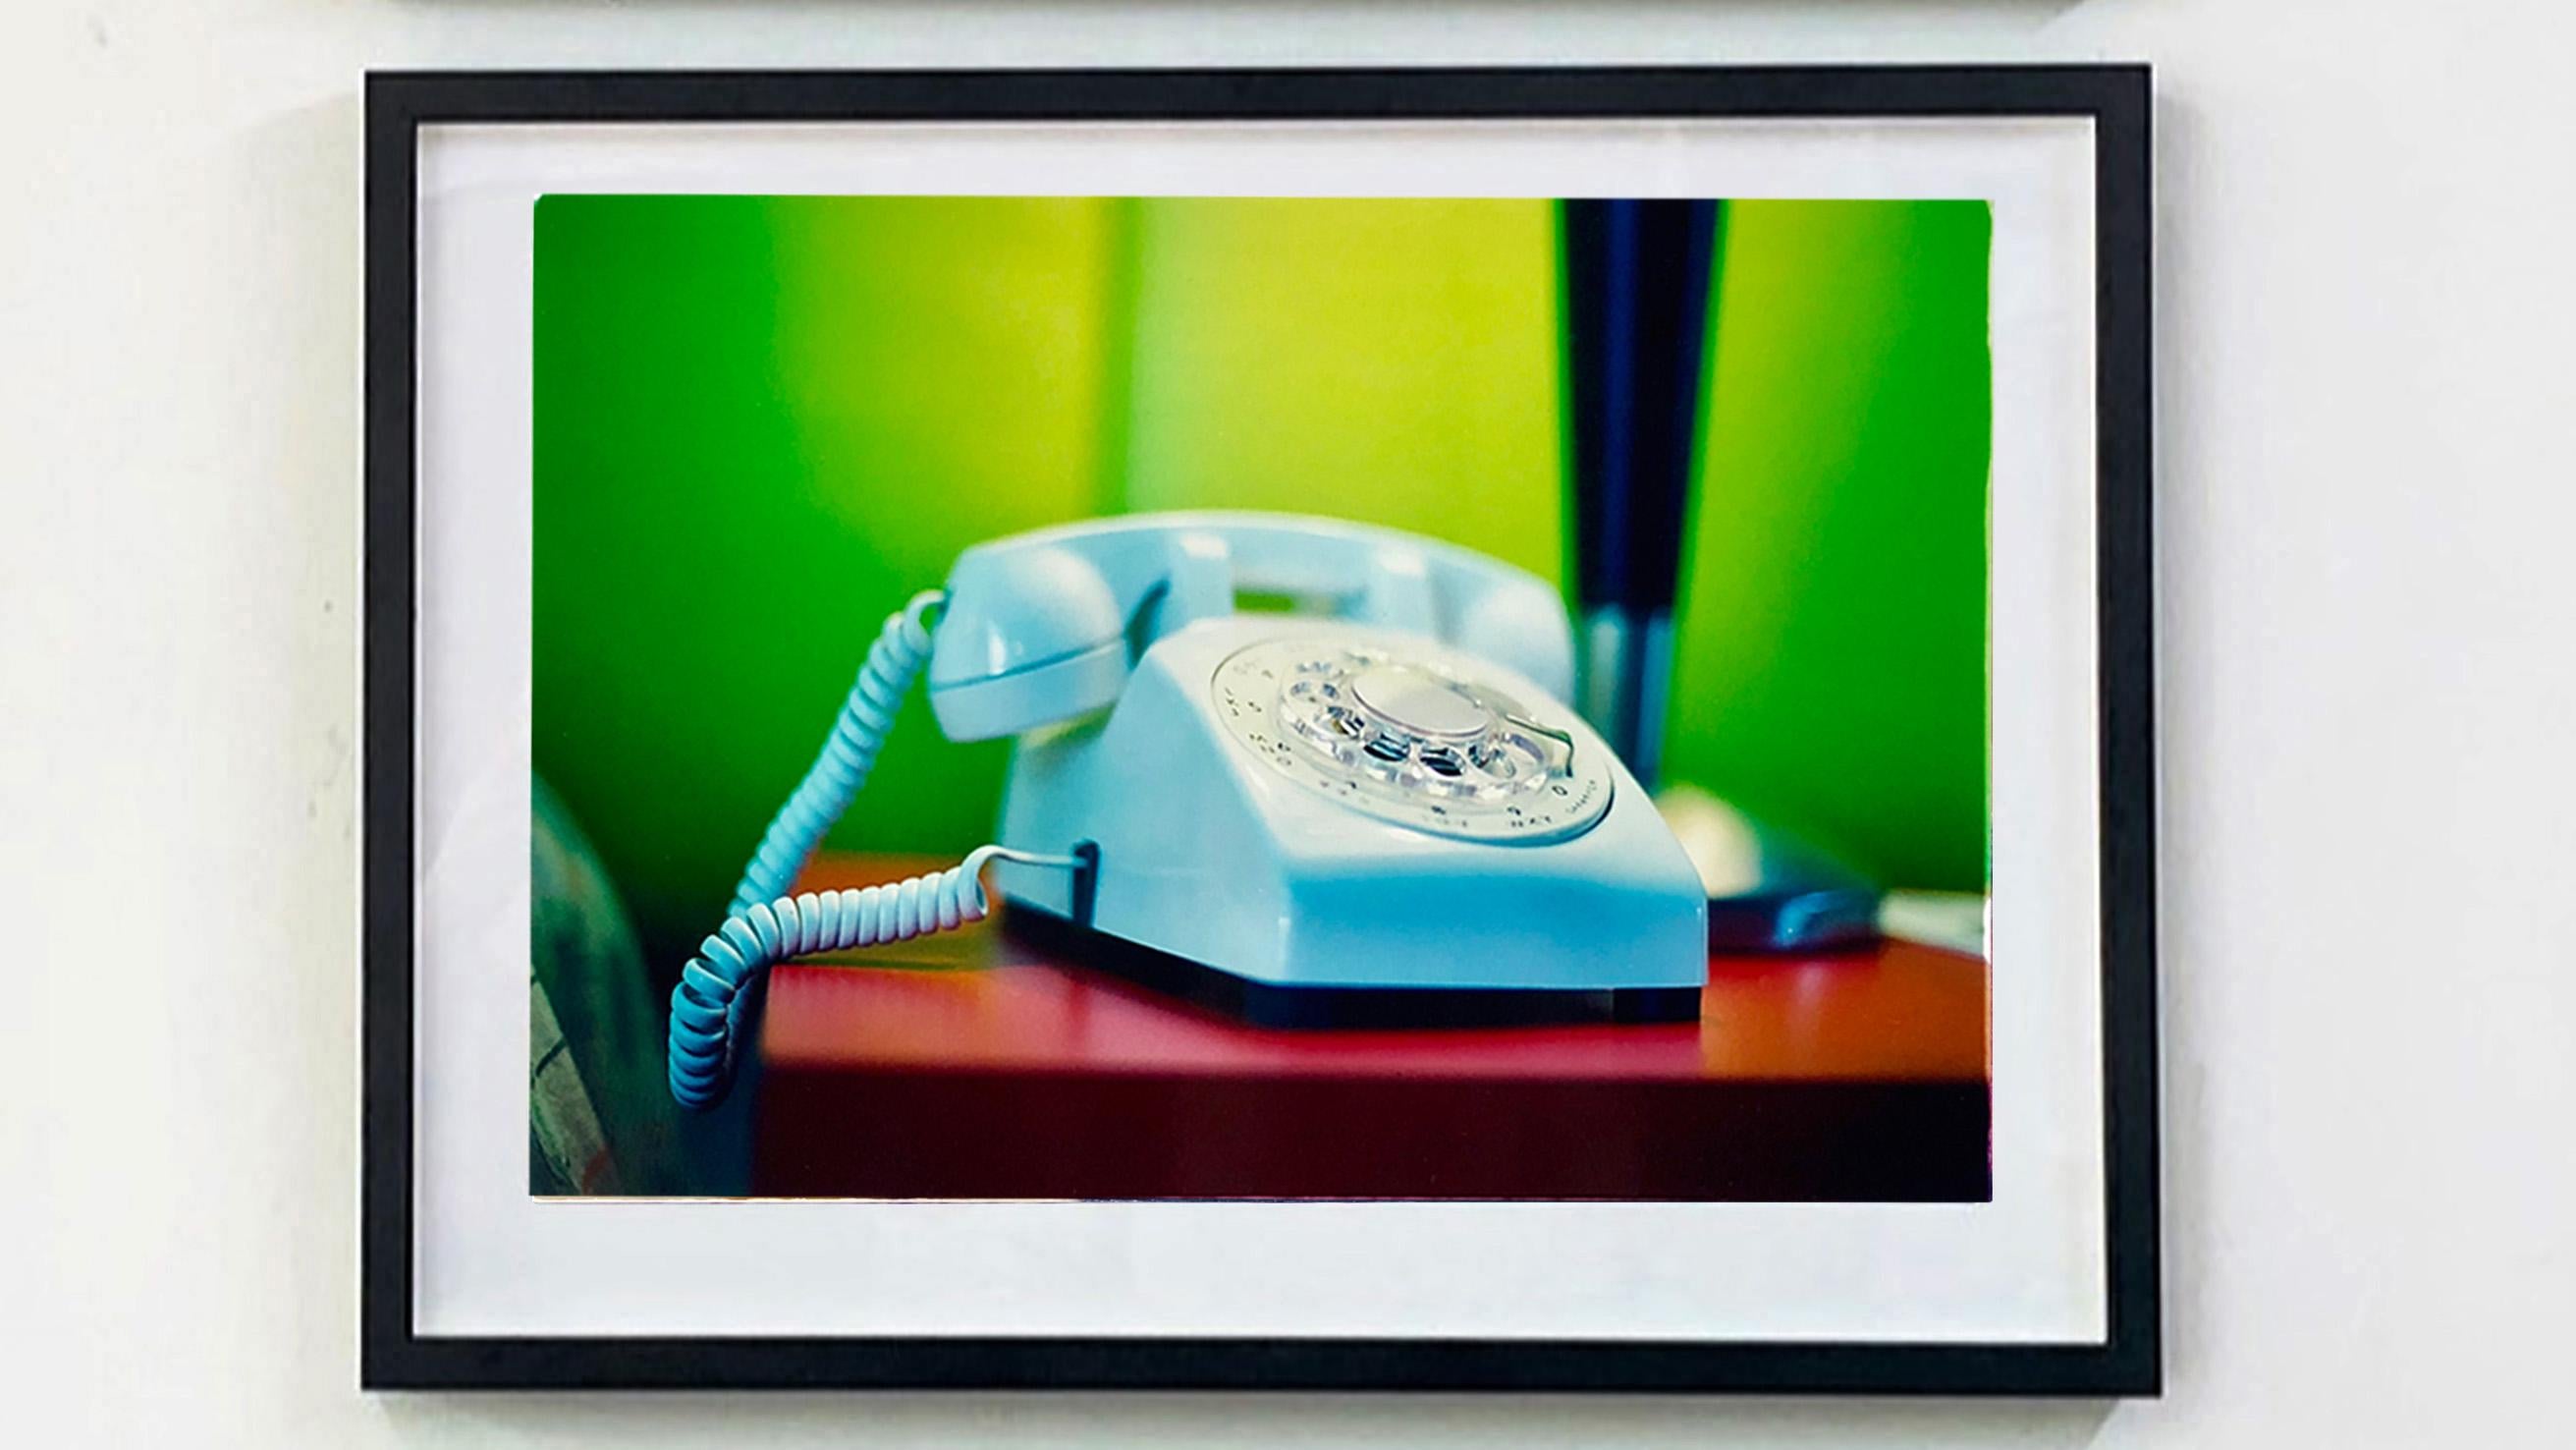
1307	1009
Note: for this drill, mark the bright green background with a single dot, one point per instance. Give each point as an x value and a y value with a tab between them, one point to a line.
762	423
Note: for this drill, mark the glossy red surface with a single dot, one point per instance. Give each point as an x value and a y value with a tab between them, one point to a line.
1860	1074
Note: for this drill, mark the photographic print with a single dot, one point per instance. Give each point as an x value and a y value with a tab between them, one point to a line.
1124	697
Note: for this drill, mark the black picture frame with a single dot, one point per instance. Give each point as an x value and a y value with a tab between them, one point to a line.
2114	98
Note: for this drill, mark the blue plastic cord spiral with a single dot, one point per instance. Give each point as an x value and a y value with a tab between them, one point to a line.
836	776
767	926
707	1007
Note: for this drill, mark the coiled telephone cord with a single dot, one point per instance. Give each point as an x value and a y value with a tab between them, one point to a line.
720	986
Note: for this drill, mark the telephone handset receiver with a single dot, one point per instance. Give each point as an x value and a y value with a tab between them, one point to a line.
1042	627
1377	789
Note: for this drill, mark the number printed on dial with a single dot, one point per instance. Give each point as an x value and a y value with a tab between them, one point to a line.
1408	733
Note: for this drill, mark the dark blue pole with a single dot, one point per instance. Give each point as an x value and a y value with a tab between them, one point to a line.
1636	322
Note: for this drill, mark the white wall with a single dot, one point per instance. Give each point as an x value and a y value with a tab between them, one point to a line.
2366	385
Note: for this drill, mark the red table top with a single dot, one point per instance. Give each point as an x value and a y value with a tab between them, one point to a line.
971	1065
976	1000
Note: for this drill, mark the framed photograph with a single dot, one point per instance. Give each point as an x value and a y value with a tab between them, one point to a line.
1445	729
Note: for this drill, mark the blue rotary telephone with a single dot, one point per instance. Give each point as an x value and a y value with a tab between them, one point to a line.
1372	808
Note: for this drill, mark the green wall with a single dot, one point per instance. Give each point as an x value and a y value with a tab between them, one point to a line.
762	423
1831	671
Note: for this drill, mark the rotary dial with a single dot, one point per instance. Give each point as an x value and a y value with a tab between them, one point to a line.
1410	735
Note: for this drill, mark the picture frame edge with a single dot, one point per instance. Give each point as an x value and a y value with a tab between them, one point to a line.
2117	97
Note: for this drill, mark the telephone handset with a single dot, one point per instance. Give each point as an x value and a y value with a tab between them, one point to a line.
1039	627
1372	807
